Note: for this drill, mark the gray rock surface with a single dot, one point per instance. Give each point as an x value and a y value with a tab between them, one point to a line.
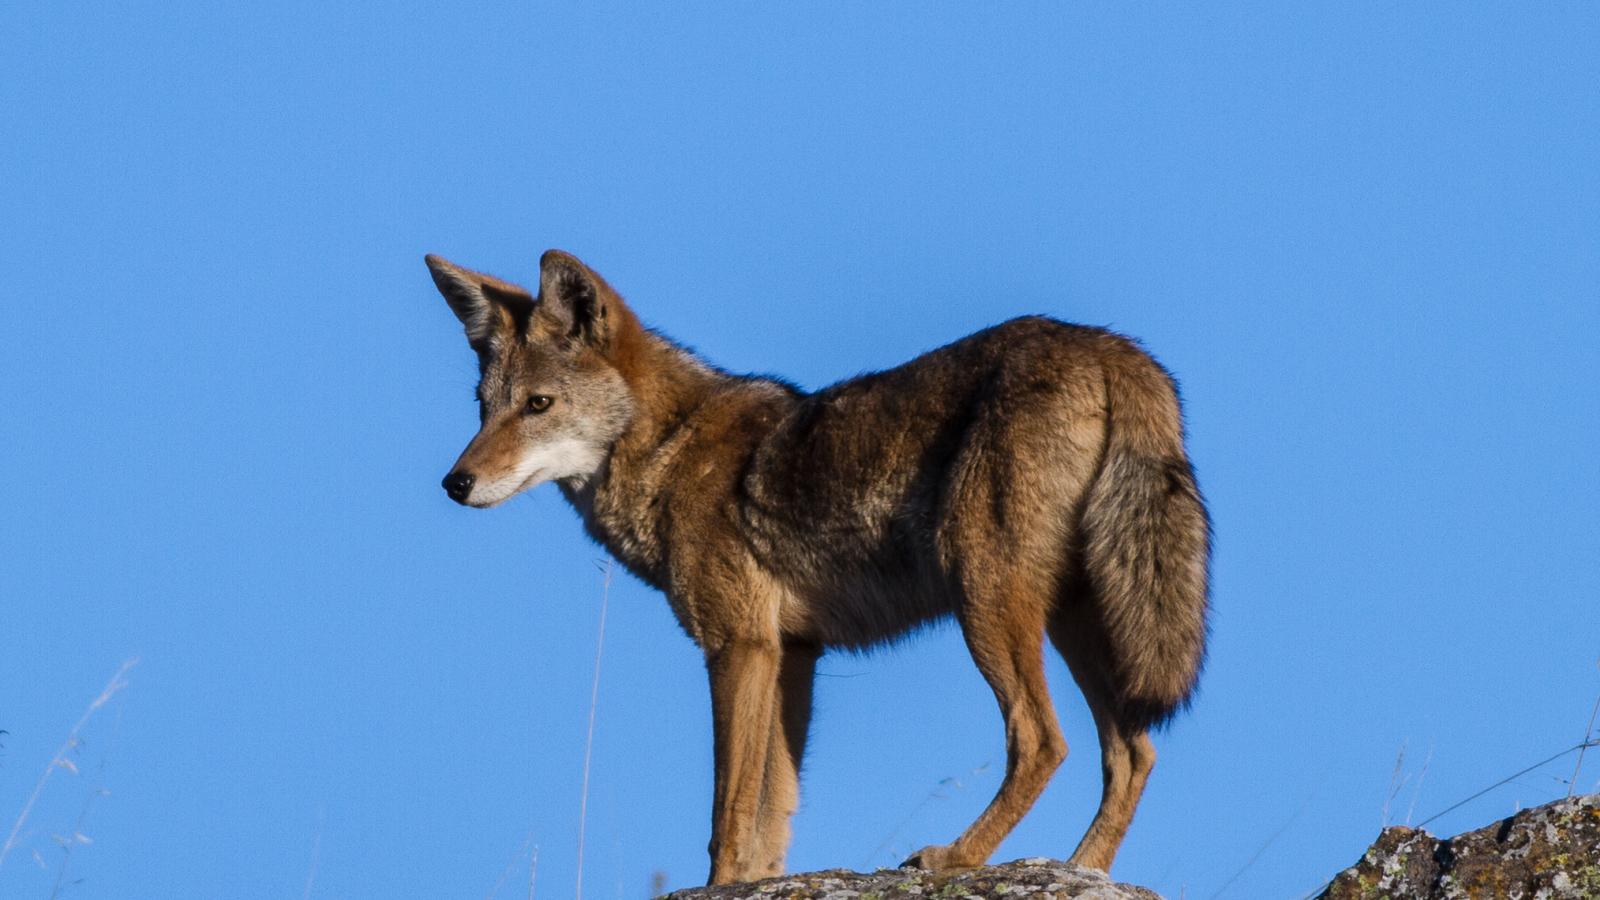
1023	878
1550	852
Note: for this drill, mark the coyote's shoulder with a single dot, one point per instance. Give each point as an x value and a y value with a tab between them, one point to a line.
1028	480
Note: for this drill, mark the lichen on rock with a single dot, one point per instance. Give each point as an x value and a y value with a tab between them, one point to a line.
1025	878
1550	852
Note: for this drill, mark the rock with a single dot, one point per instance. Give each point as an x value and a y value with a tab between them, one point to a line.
1020	879
1550	852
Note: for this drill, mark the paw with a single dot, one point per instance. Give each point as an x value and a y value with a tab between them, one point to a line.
940	859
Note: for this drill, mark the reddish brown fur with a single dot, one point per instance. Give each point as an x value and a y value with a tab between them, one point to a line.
1029	480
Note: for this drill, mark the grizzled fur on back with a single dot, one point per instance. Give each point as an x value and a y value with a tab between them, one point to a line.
1029	480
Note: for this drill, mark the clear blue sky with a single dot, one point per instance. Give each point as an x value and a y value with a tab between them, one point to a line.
1365	236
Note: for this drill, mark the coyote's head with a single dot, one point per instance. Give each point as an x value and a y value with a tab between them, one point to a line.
550	399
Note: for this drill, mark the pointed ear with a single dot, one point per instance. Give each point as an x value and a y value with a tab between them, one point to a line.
573	299
480	301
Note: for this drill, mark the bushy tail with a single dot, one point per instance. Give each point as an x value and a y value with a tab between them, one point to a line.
1147	547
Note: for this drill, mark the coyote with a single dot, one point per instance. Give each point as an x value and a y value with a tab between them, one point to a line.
1028	480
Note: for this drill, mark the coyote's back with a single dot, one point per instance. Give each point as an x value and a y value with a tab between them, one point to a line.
1029	480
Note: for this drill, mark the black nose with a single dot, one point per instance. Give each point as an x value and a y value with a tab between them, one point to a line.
458	485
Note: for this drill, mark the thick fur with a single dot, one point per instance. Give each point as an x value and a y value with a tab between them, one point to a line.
1028	480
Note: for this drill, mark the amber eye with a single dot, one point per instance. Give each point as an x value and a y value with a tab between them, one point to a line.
538	403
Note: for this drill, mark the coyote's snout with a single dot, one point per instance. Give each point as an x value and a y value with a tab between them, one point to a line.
1029	480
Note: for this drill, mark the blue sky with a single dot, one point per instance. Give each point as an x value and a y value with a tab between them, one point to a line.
1366	237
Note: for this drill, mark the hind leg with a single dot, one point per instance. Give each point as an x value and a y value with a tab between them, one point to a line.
1003	625
1126	753
1026	462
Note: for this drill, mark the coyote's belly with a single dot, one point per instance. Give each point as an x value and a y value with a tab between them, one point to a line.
857	600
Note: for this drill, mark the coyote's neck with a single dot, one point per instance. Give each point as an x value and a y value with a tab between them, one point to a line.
668	384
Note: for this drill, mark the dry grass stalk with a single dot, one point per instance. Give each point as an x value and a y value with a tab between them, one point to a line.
61	760
1588	741
588	744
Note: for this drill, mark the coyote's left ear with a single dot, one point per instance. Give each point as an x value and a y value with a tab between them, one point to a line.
573	299
480	301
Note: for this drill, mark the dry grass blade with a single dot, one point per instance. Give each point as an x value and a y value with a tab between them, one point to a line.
937	793
1397	780
1260	851
588	744
533	870
1417	791
1507	780
1588	741
316	855
60	759
78	838
505	874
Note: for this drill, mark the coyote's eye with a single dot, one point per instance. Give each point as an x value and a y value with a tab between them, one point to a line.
538	403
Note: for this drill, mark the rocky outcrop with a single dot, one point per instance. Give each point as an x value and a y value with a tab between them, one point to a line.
1021	879
1549	852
